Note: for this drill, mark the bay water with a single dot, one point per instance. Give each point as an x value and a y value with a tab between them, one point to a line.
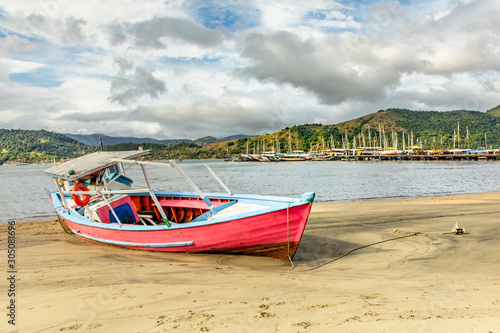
23	198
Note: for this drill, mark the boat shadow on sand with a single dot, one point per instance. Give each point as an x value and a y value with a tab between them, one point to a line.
313	251
314	248
316	251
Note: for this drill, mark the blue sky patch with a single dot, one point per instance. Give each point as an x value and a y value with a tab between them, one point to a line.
4	33
325	15
319	14
234	15
188	61
43	77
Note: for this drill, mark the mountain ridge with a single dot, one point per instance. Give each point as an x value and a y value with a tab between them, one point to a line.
107	140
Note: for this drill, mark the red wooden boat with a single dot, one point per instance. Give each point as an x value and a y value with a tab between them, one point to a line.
96	201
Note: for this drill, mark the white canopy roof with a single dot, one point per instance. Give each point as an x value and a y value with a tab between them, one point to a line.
82	168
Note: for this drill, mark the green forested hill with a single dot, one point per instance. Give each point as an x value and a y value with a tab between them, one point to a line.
432	124
495	112
160	151
37	146
434	129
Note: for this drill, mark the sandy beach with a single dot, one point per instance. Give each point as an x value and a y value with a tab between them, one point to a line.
415	276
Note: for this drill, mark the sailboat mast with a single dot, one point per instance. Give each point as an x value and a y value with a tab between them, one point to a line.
454	138
369	136
380	135
468	140
289	142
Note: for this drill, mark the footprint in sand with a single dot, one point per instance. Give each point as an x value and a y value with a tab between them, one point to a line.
370	296
93	326
265	314
304	324
71	328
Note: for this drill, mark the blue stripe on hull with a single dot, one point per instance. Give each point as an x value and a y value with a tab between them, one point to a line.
135	244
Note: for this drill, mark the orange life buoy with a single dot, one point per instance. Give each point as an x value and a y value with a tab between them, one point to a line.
77	198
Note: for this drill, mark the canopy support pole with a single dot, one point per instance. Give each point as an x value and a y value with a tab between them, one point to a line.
112	210
59	189
153	196
192	184
219	180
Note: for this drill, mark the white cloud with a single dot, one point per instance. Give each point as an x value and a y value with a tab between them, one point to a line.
158	32
18	111
347	66
289	14
10	66
190	69
132	83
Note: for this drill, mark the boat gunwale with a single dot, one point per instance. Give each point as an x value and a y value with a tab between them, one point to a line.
278	205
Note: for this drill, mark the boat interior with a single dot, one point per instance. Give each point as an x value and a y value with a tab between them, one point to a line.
141	209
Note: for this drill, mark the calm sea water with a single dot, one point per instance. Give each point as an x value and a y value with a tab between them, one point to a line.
23	198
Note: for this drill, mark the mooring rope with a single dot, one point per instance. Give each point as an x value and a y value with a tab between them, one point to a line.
288	233
416	233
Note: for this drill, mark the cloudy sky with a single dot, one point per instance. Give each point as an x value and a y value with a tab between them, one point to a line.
186	69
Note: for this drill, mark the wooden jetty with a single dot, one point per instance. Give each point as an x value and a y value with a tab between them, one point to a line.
421	157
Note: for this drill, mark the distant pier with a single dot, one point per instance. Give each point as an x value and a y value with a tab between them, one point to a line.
420	157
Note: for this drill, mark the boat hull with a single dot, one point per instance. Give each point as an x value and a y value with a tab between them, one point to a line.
273	234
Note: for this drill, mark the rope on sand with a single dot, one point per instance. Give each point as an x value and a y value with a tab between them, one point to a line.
364	246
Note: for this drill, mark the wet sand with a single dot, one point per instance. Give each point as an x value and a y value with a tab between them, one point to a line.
417	277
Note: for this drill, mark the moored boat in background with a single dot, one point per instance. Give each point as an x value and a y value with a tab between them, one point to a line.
296	155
